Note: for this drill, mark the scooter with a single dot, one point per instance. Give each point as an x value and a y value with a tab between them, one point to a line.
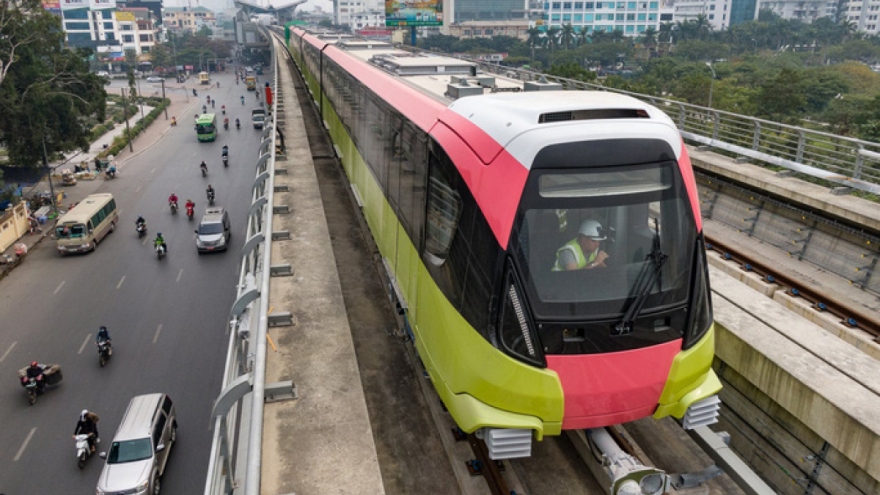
226	126
104	352
83	451
173	205
190	211
204	171
141	229
225	160
160	251
211	198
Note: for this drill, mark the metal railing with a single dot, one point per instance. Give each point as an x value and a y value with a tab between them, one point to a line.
842	160
236	445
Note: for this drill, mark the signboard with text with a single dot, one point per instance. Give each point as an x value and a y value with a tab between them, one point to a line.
102	4
74	4
404	14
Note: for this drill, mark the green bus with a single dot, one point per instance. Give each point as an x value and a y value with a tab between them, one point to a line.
206	127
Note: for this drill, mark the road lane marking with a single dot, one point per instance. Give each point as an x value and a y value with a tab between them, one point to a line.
120	282
8	351
179	274
59	287
138	189
156	337
83	346
24	445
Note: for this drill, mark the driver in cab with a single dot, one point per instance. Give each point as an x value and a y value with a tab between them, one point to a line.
582	252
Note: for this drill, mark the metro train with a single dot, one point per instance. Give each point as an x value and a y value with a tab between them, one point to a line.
474	187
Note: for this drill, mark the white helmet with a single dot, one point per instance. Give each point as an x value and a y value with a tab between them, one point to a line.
592	229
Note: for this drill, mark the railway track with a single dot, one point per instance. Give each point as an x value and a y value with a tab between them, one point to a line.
820	301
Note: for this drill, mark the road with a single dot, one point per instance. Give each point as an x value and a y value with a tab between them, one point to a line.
167	317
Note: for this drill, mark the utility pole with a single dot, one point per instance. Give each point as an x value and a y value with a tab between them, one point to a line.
125	115
163	97
49	171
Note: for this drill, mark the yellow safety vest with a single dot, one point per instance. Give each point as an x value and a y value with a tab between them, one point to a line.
575	249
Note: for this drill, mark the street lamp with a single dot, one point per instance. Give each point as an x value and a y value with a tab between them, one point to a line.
712	83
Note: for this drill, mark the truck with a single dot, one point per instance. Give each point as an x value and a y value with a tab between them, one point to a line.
258	116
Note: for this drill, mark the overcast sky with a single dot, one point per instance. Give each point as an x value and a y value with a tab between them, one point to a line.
310	5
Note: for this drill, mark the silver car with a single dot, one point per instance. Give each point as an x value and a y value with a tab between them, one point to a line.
155	79
213	233
140	448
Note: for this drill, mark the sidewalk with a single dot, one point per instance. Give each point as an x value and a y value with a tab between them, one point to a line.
180	105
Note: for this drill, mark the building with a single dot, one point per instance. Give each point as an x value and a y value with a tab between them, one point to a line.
804	11
488	10
487	29
190	19
136	29
630	17
89	23
862	14
359	14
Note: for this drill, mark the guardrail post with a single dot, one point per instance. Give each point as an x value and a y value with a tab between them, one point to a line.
716	123
802	139
756	137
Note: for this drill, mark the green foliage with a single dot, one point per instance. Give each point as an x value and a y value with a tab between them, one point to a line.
572	70
782	96
47	94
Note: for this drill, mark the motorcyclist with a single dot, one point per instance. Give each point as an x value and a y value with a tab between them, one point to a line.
225	151
103	336
139	222
203	166
173	120
223	109
210	192
160	241
172	199
226	123
237	124
35	371
195	93
242	99
190	207
87	424
204	109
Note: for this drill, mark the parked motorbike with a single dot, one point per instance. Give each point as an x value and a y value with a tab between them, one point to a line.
160	251
141	229
36	386
83	451
104	352
173	205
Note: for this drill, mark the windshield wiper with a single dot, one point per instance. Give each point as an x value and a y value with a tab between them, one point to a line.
648	277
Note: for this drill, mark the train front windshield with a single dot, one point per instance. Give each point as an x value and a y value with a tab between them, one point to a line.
590	242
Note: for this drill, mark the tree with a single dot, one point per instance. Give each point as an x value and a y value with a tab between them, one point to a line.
782	96
46	90
567	36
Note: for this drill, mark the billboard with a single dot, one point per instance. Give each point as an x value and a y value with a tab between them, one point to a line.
102	4
126	16
74	4
403	14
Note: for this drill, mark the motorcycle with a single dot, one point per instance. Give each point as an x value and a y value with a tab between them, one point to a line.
226	126
195	93
160	251
83	450
110	173
237	124
104	352
211	198
225	160
204	170
190	211
36	386
141	229
173	205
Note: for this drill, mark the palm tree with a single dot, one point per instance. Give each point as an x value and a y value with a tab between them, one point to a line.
535	39
617	36
598	36
702	25
583	36
649	39
567	35
552	37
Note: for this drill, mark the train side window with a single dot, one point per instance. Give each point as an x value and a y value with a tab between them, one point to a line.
415	153
443	211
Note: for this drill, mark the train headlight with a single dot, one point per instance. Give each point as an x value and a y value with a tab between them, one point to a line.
700	318
516	334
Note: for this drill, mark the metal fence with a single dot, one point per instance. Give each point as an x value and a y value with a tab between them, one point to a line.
237	417
841	160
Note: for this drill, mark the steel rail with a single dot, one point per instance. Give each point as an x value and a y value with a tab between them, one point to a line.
826	303
488	468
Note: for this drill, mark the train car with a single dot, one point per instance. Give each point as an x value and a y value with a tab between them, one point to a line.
546	246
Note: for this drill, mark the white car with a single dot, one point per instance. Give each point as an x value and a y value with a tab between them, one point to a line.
102	73
155	79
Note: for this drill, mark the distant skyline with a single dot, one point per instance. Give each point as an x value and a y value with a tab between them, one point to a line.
218	5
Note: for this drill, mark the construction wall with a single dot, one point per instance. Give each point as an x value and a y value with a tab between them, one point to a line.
13	224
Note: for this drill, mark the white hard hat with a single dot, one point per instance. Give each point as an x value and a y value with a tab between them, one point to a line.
592	229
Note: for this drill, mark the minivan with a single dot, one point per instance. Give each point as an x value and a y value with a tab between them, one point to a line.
140	448
213	233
